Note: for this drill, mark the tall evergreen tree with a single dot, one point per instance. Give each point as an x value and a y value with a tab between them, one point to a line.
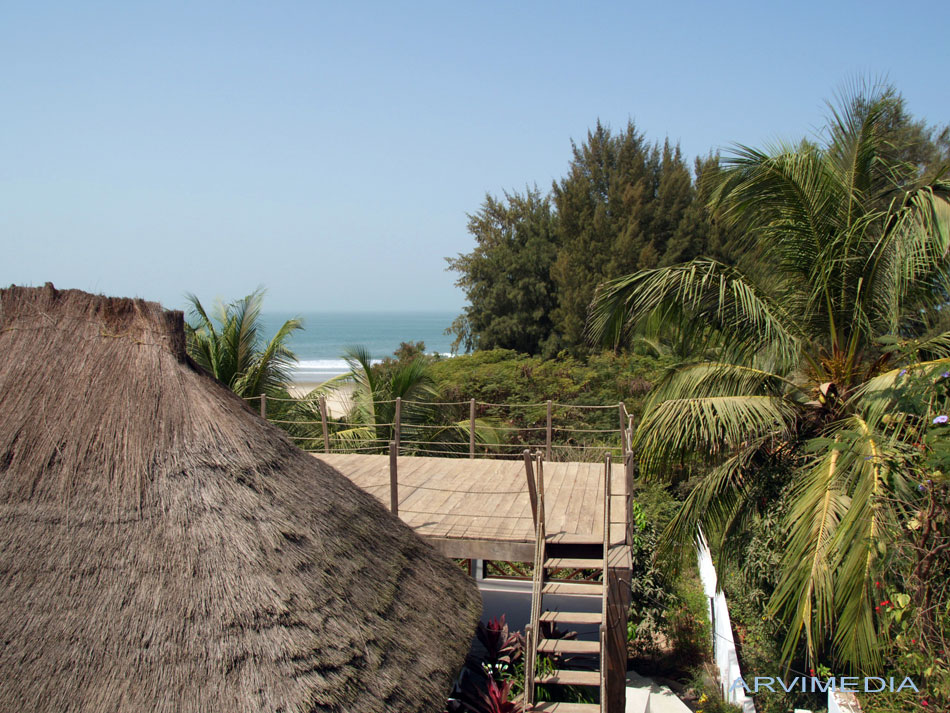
618	208
507	277
669	210
699	232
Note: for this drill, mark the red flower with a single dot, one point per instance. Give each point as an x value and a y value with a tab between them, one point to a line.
877	608
877	584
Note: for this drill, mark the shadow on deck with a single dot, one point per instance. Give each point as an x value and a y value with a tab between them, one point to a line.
480	508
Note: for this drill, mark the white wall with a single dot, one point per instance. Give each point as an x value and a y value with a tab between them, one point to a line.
842	702
724	645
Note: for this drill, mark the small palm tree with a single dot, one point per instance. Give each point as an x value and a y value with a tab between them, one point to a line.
234	352
812	350
372	416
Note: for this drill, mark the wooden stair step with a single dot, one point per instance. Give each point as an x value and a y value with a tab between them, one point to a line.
561	707
568	646
557	587
567	538
563	677
574	563
572	617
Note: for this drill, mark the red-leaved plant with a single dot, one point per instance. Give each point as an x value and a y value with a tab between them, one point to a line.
502	648
494	699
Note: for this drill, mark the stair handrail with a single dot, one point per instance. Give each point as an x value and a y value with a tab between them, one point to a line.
532	630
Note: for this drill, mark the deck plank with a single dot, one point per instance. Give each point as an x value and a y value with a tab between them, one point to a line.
581	498
486	499
517	521
498	503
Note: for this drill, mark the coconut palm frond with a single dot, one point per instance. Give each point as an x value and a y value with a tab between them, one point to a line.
356	438
710	378
702	294
878	396
908	264
710	427
232	352
804	595
271	369
863	532
712	504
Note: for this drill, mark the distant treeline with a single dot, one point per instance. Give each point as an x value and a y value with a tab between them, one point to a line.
625	205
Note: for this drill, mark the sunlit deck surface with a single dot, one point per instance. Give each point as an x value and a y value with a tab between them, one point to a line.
479	508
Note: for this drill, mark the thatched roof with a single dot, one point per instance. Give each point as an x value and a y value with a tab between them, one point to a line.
164	549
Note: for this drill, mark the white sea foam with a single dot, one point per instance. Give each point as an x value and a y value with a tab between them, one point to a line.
322	369
324	364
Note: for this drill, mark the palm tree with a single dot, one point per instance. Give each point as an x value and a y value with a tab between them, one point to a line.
811	349
372	415
234	351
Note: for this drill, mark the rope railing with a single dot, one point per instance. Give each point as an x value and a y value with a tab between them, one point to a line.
585	430
488	404
569	437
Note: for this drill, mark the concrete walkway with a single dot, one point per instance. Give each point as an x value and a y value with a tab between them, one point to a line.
645	695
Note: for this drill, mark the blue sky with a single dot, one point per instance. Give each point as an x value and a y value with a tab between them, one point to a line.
332	151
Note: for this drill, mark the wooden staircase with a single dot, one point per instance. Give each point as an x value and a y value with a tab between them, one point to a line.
578	663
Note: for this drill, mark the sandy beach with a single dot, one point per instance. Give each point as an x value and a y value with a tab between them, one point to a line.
338	402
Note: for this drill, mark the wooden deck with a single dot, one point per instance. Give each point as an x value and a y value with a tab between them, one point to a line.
479	508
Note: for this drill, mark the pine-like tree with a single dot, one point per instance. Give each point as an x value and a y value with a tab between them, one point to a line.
507	277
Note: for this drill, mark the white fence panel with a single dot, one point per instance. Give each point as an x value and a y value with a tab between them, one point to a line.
724	646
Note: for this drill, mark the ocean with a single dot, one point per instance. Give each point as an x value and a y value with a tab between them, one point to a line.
319	345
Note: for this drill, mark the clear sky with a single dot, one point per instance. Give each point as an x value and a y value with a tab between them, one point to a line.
331	151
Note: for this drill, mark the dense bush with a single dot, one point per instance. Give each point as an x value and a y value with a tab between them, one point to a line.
668	627
505	376
519	385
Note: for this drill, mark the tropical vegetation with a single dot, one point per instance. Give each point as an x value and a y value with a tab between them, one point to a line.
799	362
375	391
229	344
775	321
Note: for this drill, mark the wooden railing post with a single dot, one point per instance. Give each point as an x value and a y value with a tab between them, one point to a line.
630	432
264	406
550	429
529	665
323	423
623	429
471	428
539	476
397	429
532	486
393	478
628	501
608	474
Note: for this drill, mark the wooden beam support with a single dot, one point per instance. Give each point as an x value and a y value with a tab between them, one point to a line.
623	429
323	423
549	431
393	478
499	550
471	428
397	428
532	485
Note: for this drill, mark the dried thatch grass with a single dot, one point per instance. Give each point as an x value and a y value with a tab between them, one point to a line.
163	549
